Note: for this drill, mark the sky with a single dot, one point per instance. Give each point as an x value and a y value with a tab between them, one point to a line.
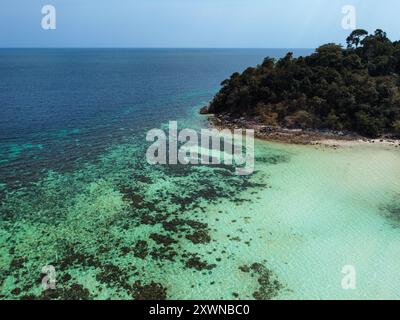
191	23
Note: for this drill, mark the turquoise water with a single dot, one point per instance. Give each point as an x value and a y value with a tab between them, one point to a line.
77	193
327	209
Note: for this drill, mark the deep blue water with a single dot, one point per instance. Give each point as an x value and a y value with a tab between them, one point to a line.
61	107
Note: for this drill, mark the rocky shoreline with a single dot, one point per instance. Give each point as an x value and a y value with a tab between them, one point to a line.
293	136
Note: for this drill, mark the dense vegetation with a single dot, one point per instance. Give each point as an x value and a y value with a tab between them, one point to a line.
353	89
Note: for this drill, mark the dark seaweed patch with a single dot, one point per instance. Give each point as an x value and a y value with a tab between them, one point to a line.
269	286
152	219
178	170
141	249
71	258
162	239
135	198
199	237
16	291
17	263
74	292
392	212
112	276
164	253
65	278
151	291
174	225
272	159
196	263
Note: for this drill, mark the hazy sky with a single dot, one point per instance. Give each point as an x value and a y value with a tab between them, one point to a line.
191	23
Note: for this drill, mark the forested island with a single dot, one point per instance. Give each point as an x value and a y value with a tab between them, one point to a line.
353	89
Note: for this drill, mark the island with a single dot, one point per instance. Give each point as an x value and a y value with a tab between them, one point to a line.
335	92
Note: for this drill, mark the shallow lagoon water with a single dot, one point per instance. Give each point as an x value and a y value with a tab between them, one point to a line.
81	197
326	209
305	213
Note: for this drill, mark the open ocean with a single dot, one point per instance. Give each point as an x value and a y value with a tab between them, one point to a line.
77	193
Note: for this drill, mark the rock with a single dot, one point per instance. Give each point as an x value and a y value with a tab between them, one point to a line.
205	110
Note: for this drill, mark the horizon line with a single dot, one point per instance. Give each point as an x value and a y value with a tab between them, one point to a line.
146	48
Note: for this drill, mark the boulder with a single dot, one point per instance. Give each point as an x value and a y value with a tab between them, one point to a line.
205	110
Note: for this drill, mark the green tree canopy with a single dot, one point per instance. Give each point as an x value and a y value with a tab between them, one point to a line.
354	88
355	38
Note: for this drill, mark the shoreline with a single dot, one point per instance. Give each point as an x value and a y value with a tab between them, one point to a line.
297	136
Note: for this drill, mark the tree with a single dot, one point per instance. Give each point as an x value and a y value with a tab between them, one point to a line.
366	125
268	63
355	38
300	119
396	127
380	34
333	122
